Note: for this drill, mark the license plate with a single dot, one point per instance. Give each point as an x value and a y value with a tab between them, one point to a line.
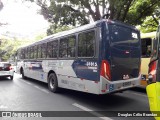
126	84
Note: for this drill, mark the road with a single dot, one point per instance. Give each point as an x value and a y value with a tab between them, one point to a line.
32	95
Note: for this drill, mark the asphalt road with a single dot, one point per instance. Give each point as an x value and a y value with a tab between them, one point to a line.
32	95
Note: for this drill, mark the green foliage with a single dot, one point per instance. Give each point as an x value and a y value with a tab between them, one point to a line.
8	47
79	12
54	29
149	25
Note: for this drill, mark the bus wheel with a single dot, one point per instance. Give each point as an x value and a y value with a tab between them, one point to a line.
23	76
53	83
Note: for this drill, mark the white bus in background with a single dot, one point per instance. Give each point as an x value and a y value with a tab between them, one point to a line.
99	58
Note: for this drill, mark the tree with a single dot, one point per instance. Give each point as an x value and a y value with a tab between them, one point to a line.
80	12
150	23
1	5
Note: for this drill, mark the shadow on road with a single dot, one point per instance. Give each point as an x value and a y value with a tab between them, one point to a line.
4	79
99	102
139	89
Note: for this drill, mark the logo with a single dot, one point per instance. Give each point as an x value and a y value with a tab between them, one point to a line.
111	87
125	77
6	114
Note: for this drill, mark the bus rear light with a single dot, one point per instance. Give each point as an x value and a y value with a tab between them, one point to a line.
105	70
103	91
96	82
82	79
152	72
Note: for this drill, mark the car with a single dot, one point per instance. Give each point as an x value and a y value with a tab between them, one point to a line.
6	70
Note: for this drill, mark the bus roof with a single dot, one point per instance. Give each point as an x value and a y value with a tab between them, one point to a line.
148	35
79	29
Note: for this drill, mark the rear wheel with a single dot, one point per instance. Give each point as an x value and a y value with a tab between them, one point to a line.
53	83
11	77
22	72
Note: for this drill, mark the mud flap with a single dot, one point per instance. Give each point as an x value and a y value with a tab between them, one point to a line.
153	92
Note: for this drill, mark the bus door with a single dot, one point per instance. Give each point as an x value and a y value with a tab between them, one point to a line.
125	52
153	87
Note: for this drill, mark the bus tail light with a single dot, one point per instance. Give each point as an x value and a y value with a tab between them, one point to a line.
152	72
105	70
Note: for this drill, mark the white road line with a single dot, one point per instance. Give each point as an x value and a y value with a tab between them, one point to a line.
89	110
41	89
36	86
26	82
44	90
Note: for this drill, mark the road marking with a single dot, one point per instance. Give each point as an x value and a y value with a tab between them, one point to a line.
36	86
92	112
44	90
41	89
27	82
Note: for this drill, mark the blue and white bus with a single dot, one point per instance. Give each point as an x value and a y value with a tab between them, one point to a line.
99	58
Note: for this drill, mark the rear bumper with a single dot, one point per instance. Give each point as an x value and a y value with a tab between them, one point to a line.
115	86
143	82
6	73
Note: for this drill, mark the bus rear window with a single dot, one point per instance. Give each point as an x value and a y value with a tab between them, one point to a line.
123	35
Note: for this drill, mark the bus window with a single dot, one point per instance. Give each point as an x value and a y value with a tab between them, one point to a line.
49	49
35	51
55	49
28	49
63	48
86	44
32	52
146	47
44	47
39	51
67	47
71	46
26	53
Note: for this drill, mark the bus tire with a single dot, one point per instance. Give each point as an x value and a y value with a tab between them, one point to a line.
22	72
53	83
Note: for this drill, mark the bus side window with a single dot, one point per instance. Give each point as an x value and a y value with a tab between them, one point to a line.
86	44
39	51
63	48
146	47
71	46
26	53
49	49
32	52
35	51
44	47
55	49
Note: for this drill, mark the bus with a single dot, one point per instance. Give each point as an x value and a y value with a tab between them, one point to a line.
99	58
153	87
147	47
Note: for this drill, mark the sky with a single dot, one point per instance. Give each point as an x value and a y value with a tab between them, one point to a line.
22	19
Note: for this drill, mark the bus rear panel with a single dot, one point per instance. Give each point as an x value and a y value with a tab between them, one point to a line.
120	65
